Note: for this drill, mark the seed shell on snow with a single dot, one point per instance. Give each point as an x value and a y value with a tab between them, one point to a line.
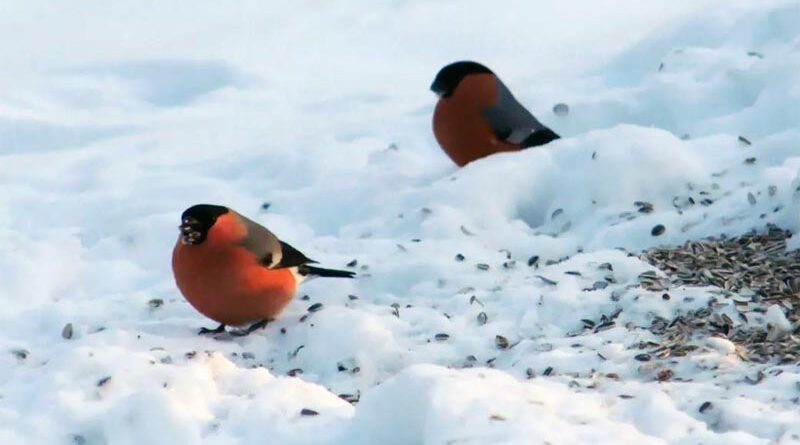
67	331
501	342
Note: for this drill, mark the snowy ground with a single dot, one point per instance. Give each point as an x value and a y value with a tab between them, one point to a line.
114	117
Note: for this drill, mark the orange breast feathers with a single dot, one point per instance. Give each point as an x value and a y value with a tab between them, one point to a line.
225	282
458	125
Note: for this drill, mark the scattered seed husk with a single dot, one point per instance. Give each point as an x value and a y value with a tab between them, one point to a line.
643	206
294	372
597	285
352	263
441	337
155	303
21	354
547	280
497	418
744	141
664	375
294	353
501	342
315	307
482	318
350	398
606	266
705	407
533	260
658	230
751	198
104	381
308	412
750	161
465	231
561	109
548	371
482	266
459	257
67	331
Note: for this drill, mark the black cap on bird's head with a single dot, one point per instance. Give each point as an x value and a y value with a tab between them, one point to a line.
448	78
197	220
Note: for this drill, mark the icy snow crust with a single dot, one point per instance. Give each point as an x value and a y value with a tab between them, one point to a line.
113	119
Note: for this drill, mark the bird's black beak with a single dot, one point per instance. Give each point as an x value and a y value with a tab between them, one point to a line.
437	89
190	233
187	226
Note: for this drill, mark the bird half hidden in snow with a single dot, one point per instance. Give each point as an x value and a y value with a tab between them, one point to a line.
477	115
235	271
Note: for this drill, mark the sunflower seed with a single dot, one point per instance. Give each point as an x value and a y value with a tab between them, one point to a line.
501	342
561	109
67	331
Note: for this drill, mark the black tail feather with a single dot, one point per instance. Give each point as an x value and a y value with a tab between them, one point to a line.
540	137
321	272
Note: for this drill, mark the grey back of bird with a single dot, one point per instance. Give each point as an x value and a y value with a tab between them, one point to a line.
509	120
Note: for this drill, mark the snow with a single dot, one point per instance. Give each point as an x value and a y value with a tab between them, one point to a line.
115	117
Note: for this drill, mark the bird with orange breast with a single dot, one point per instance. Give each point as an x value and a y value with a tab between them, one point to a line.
477	115
235	271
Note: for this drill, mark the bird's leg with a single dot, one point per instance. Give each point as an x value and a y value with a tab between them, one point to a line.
249	330
205	331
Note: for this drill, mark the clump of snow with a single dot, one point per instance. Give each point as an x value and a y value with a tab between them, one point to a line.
476	314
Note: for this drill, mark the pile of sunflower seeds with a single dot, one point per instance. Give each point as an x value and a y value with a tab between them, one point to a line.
752	272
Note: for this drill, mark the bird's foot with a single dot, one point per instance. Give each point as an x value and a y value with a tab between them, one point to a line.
250	329
205	331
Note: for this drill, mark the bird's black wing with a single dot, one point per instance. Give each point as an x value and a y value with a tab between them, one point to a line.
291	257
271	252
510	121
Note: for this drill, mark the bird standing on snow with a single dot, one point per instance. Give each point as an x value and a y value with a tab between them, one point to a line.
477	115
235	271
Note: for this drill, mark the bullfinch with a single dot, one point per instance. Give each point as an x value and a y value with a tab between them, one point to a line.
477	115
235	271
